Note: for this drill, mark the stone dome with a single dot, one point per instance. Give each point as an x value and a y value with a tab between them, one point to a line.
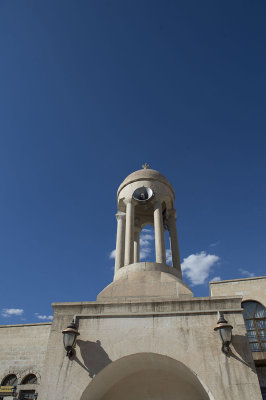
145	174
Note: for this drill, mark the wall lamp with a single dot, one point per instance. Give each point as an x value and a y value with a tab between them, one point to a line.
225	331
69	338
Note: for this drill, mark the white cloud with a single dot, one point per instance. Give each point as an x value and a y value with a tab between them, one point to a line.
147	236
215	279
244	272
215	244
144	253
112	254
9	312
145	250
44	317
196	267
168	257
146	243
146	239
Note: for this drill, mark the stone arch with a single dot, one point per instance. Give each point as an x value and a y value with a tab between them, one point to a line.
254	316
13	380
10	372
246	299
146	376
29	372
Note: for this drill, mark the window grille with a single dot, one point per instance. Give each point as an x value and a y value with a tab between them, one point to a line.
255	320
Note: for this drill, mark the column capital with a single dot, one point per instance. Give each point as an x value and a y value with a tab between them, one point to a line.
156	203
130	200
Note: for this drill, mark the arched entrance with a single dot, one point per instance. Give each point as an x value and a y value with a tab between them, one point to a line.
146	376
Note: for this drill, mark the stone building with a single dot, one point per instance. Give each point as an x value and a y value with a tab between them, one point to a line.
146	337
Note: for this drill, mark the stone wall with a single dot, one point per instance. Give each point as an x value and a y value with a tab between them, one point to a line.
119	340
22	351
248	288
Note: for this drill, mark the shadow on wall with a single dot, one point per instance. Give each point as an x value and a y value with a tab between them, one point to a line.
239	343
93	355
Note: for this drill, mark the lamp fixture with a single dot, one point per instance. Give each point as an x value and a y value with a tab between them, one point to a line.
225	331
69	338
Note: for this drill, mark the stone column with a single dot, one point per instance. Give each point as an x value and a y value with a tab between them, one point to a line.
137	231
120	240
171	222
159	233
129	237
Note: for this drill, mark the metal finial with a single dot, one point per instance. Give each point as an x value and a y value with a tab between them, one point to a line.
221	319
145	166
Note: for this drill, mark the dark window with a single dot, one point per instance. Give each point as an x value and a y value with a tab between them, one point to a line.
255	320
10	380
30	379
27	394
261	372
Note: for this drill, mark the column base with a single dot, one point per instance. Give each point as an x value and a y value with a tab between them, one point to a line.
146	280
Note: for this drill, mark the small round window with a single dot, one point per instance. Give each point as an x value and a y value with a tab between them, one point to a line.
10	380
30	379
255	320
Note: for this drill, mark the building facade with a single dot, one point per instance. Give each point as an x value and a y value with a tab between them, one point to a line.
253	293
146	337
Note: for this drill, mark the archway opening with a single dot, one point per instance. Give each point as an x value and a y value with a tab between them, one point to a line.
145	376
147	250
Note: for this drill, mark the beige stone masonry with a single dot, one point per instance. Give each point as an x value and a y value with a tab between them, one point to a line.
248	288
170	334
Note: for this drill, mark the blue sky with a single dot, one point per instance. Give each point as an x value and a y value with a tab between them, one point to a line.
90	91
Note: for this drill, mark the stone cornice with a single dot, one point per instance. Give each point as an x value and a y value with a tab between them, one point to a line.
150	308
